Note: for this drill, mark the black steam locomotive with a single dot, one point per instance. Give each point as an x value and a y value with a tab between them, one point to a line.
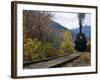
80	41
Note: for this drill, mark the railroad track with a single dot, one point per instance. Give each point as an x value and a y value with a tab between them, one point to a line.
52	62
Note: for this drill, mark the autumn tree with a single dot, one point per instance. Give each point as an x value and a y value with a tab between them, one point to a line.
39	38
36	25
66	46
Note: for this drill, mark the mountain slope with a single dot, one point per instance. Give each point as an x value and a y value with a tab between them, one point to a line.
56	26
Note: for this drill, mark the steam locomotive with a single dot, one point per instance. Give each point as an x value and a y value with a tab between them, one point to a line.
80	41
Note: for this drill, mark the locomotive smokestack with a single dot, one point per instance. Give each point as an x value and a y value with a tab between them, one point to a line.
81	17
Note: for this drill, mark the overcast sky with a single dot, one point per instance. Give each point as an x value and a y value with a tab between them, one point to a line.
70	20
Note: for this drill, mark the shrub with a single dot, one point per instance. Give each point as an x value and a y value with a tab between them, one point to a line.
66	47
36	50
48	49
32	49
85	57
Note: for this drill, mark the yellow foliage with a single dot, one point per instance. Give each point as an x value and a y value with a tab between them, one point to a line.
66	36
66	45
35	49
